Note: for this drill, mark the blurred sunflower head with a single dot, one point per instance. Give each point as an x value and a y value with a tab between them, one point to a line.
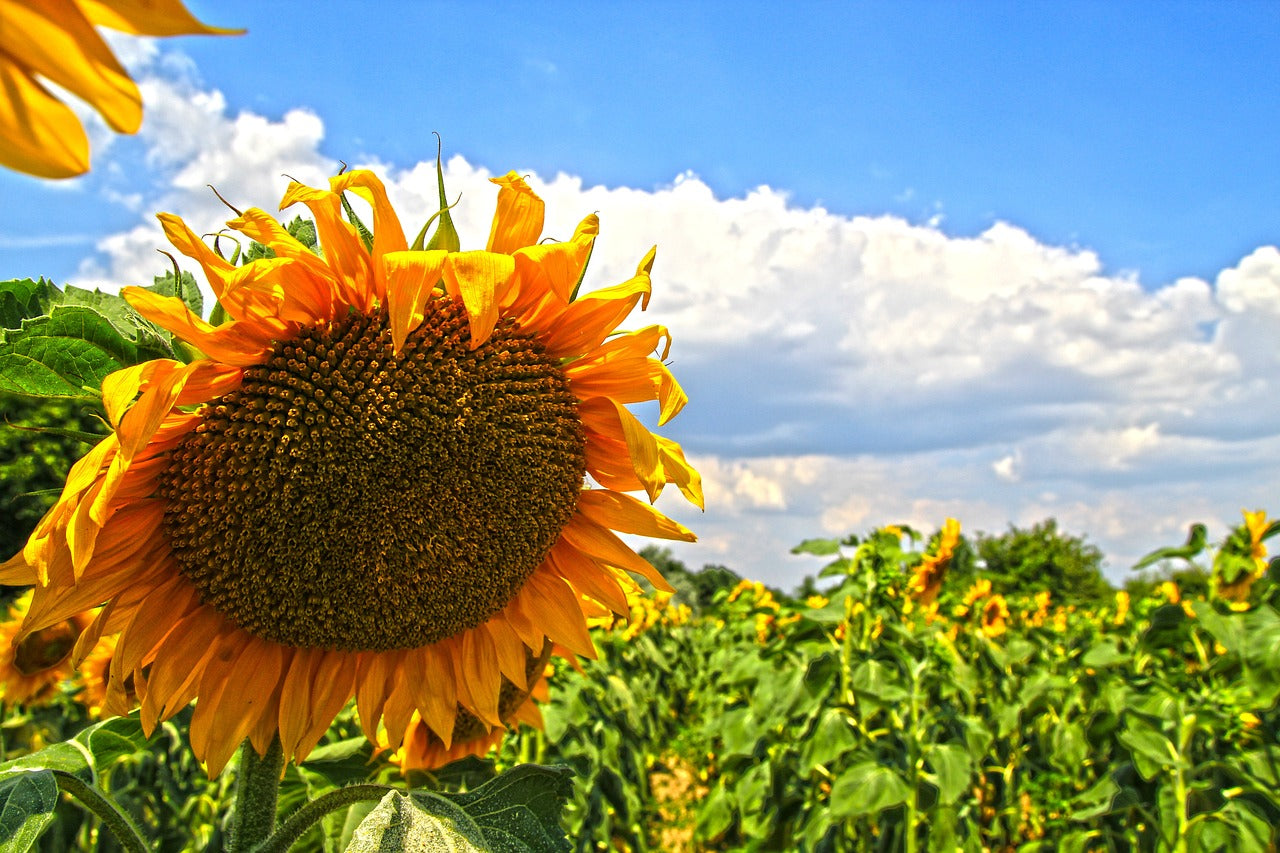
57	41
926	581
995	616
394	475
33	664
1242	560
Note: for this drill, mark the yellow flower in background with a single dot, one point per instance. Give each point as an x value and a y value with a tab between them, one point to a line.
34	663
926	582
981	589
816	602
56	40
1060	621
1122	608
1170	591
95	675
1256	523
374	484
995	616
1236	591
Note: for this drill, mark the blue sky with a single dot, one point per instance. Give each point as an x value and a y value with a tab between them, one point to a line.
972	249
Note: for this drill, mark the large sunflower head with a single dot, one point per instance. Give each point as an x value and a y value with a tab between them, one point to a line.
57	42
34	663
394	474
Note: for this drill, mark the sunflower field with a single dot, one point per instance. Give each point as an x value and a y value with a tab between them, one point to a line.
338	561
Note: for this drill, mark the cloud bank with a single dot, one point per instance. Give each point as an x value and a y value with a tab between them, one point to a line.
844	372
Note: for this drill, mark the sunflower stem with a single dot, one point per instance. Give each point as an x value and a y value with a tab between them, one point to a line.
257	789
300	821
115	820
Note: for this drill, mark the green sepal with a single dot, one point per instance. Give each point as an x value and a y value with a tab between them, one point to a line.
366	236
446	236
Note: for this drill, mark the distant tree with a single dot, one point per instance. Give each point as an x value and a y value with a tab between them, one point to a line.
1030	560
696	589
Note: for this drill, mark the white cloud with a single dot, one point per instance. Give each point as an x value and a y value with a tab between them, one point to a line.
847	372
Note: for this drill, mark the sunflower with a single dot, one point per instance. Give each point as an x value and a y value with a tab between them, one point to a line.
394	475
56	40
926	582
1242	560
33	664
995	616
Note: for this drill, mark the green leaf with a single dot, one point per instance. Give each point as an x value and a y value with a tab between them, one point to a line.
520	809
716	815
338	764
304	231
866	789
89	754
185	288
418	822
951	767
1105	653
27	801
76	339
831	739
817	547
1150	750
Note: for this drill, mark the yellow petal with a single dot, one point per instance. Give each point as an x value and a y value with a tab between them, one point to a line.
39	134
148	18
625	514
517	221
345	255
479	279
410	279
388	234
603	545
53	38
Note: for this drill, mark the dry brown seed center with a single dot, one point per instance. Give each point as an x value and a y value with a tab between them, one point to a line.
45	649
347	497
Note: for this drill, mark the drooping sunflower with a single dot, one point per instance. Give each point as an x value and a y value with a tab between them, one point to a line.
926	581
395	475
56	40
33	664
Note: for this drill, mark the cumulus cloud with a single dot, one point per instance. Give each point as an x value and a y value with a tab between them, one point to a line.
845	371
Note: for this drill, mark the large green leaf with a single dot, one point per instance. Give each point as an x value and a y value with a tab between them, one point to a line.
63	343
27	800
867	788
29	789
420	822
520	810
952	769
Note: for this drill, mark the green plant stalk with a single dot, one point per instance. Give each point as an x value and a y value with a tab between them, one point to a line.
112	817
1185	732
257	790
914	761
300	821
